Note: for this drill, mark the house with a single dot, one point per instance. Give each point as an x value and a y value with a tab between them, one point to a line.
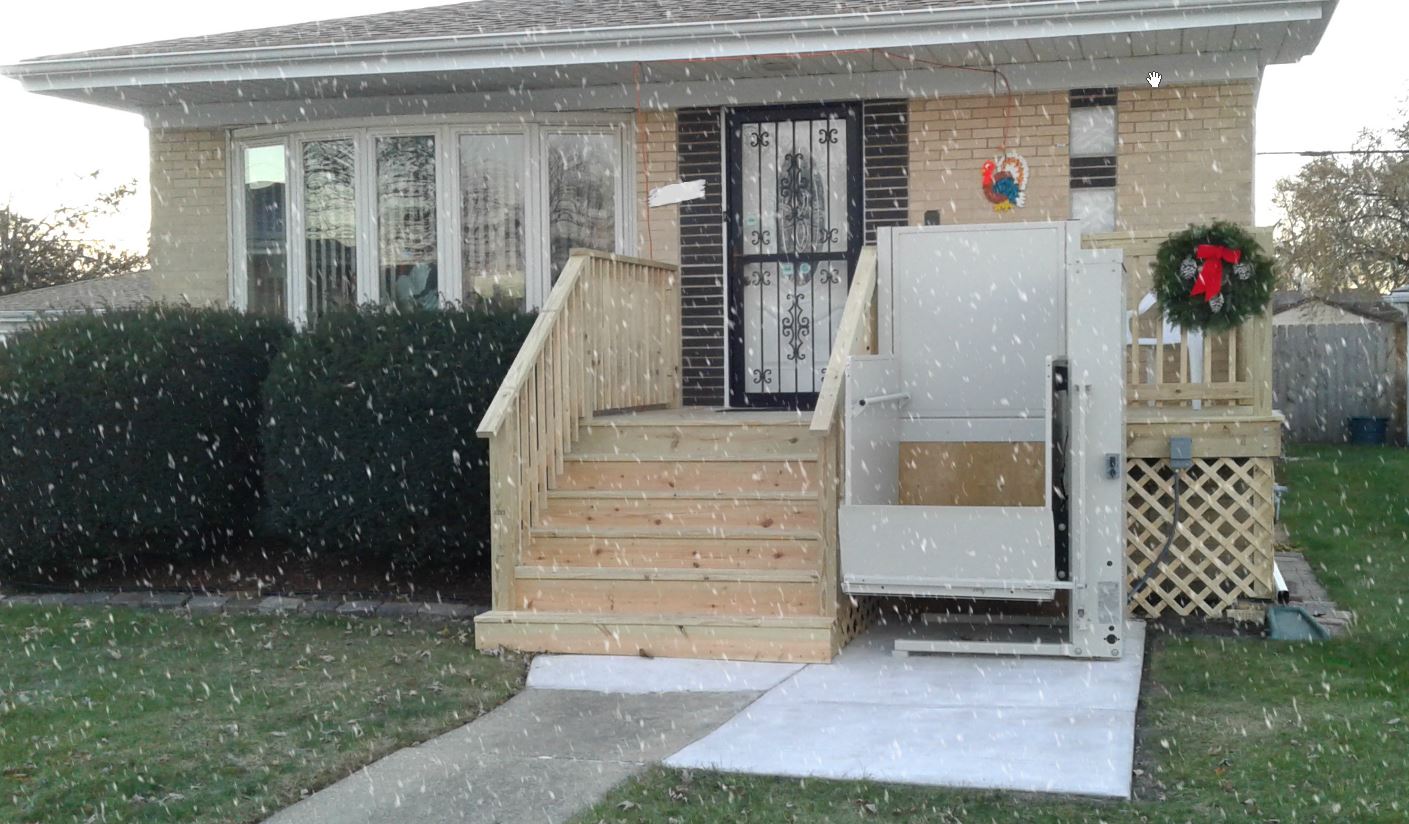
20	310
461	151
1338	357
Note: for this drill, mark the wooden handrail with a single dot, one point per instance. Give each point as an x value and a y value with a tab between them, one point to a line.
532	349
851	334
607	338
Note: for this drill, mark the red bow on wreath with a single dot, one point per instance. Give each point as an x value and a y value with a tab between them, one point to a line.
1210	280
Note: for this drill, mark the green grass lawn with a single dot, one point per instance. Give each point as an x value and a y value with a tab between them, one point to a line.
1232	729
124	715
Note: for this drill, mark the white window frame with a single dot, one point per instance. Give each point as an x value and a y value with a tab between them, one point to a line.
446	131
1115	152
238	292
298	297
533	206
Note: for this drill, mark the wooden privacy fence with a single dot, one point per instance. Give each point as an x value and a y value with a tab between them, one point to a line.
1325	373
607	339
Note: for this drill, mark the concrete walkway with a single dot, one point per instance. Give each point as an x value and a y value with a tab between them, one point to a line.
1033	724
541	758
586	723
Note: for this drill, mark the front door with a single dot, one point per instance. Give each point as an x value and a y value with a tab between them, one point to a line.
795	230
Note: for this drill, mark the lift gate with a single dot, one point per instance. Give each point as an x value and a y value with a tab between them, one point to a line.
1007	334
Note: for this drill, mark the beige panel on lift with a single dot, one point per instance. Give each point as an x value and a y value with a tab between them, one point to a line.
968	473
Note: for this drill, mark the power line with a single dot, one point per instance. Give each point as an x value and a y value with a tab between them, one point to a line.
1331	152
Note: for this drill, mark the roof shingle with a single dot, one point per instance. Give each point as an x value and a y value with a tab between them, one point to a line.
116	292
507	17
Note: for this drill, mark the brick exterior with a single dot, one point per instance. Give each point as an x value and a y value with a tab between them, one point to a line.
951	137
190	217
1185	154
657	163
700	133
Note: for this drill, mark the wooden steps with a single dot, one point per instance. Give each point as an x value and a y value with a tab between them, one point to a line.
698	440
593	549
690	535
624	473
716	511
798	639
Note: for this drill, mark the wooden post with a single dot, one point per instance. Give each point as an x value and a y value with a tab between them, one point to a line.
505	513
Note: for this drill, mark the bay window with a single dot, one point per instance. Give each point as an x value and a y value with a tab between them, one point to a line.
420	216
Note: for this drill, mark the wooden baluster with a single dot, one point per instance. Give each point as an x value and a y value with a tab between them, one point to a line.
1159	353
1133	351
1233	356
1183	358
1209	341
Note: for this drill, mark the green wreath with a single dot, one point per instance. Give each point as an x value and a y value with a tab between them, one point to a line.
1212	277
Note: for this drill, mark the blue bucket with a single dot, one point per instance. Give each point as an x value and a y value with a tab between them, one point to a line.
1367	431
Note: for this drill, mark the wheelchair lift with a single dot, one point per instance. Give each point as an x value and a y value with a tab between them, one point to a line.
1006	334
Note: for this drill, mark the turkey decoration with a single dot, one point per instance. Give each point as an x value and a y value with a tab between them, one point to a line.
1005	181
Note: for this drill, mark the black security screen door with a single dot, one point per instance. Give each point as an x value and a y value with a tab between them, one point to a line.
795	217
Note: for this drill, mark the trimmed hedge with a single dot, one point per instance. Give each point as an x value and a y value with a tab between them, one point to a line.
369	431
132	431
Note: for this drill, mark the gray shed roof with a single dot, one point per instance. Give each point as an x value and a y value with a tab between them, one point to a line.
116	292
502	17
1365	304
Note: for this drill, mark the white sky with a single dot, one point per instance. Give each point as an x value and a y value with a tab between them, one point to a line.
1358	77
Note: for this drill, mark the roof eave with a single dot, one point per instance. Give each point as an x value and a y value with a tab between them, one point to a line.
1056	18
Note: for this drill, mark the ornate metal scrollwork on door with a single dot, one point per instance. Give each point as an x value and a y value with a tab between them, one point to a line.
795	327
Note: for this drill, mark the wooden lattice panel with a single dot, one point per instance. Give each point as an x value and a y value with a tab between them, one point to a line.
1223	550
855	615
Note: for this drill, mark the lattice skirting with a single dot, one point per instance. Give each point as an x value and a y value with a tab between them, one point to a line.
855	615
1223	551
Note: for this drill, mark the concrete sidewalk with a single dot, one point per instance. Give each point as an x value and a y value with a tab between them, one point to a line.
542	757
1032	724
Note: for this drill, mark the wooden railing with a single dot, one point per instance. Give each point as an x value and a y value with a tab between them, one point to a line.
1172	370
607	339
856	334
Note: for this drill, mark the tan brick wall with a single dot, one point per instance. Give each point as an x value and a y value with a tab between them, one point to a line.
951	137
658	229
1185	154
190	216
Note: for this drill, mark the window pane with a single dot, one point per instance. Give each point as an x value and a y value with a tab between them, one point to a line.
1093	131
492	171
1095	208
582	175
406	215
266	245
330	225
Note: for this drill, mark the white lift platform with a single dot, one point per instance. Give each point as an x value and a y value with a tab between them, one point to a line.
1010	334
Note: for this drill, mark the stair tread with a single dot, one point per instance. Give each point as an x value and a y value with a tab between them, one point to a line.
700	533
672	495
617	573
627	457
507	616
